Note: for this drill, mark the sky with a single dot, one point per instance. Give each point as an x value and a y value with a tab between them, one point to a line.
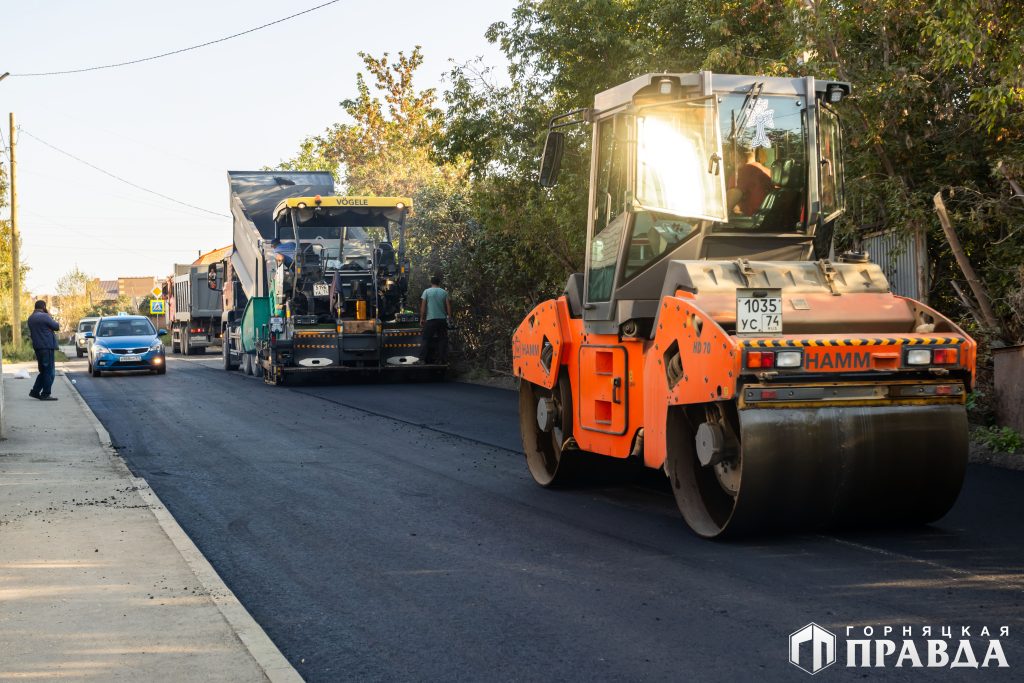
177	124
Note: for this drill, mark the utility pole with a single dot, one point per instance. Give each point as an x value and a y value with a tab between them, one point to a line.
15	260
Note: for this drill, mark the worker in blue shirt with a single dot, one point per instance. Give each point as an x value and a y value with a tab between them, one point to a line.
435	310
43	329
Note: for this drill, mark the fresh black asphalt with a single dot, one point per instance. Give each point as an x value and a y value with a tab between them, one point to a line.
393	532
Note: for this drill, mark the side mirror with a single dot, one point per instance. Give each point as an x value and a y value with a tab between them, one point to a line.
211	277
89	335
551	159
161	332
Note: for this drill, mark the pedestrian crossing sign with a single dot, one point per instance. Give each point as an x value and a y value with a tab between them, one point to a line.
157	306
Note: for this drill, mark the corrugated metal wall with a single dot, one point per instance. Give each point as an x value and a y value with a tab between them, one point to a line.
903	258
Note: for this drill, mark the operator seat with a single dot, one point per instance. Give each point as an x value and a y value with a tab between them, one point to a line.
781	206
574	295
385	255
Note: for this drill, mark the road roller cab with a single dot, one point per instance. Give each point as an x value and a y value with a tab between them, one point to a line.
711	334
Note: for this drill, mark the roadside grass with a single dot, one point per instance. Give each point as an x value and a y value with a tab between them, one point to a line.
999	439
26	353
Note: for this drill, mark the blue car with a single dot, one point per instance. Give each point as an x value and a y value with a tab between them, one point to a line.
125	342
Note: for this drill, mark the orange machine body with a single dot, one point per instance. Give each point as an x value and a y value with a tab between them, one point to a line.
623	387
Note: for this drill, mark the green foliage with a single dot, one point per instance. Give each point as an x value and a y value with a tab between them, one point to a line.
937	103
6	279
26	353
999	439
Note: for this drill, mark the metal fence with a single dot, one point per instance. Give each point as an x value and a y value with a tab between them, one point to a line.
904	259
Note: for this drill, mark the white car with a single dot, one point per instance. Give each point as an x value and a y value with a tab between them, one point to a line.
78	338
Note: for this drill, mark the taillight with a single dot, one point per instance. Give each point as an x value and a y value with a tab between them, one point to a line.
760	359
944	356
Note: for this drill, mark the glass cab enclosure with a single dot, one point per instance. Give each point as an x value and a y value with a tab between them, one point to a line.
749	168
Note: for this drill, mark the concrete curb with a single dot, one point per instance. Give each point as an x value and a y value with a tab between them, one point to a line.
275	666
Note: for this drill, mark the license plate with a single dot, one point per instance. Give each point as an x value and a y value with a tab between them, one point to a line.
321	289
758	312
130	358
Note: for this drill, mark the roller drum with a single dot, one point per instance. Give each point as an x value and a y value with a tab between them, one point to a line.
807	468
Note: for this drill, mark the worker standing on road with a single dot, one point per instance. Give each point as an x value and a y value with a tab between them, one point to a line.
435	310
43	329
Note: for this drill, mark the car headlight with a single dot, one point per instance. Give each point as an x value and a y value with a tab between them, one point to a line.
157	345
100	348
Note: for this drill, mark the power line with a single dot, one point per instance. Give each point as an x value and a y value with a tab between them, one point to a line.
176	52
119	178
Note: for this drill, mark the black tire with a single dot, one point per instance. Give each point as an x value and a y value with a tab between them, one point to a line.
162	370
186	343
94	371
551	463
257	366
80	352
246	364
225	354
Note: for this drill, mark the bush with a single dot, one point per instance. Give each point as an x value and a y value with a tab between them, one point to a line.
1000	439
26	353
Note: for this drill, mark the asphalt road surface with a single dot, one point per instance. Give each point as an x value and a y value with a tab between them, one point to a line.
393	532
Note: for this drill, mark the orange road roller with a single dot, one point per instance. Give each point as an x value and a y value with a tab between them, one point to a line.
716	335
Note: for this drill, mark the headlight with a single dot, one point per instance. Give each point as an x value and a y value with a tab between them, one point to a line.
99	348
157	345
788	359
919	357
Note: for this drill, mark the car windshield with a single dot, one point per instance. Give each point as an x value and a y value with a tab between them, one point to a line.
136	327
86	325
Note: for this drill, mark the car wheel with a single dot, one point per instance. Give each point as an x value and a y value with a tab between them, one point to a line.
95	372
162	370
80	352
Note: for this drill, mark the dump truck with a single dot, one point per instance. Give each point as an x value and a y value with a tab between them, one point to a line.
716	336
316	283
194	310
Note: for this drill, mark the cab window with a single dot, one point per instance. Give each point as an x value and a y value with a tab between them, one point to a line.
609	214
765	161
831	162
654	235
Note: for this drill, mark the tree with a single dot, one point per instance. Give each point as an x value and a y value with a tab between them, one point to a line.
937	104
6	279
77	294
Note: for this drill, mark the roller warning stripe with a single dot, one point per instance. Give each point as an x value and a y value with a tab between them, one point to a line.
868	341
401	346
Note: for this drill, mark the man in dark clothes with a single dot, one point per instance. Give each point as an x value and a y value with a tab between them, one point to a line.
435	310
753	183
44	340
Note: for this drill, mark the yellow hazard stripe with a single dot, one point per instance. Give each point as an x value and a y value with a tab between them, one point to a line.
865	341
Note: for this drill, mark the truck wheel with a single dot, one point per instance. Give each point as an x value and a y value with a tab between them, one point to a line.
186	346
257	366
225	352
246	364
